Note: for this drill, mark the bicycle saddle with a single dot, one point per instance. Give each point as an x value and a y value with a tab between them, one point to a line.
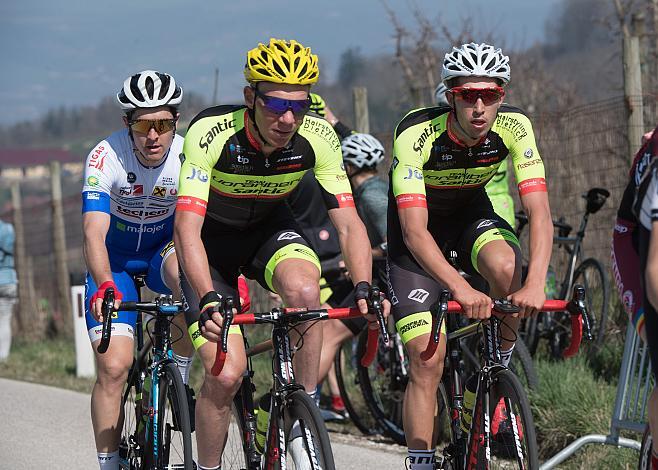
595	199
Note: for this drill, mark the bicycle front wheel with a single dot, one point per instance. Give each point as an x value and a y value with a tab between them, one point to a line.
645	450
511	433
131	443
170	441
307	441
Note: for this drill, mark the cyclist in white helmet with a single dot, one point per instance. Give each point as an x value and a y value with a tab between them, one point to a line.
442	159
129	195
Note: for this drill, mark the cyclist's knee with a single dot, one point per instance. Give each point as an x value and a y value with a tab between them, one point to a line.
426	369
112	371
223	385
300	291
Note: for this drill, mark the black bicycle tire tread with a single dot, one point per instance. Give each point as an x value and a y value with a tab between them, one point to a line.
644	461
302	399
177	391
530	434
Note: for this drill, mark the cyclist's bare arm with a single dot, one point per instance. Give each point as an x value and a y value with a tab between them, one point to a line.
531	296
354	245
413	221
94	229
651	272
191	253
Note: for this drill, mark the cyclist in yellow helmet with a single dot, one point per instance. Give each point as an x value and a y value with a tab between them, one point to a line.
240	163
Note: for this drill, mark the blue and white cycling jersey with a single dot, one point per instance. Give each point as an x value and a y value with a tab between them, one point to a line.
140	200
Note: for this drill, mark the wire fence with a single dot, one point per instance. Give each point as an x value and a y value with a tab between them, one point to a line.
583	148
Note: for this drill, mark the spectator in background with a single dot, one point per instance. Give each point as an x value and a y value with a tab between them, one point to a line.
8	286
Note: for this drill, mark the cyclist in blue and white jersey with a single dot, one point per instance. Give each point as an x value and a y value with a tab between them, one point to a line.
129	195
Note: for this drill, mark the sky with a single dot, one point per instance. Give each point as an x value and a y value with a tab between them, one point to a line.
74	52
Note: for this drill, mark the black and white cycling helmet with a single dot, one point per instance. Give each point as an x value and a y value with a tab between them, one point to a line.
475	60
440	95
362	150
149	89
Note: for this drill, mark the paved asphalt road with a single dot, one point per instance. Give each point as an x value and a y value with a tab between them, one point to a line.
46	427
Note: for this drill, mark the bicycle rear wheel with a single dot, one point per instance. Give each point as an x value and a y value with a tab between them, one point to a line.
307	441
383	385
346	366
511	431
170	443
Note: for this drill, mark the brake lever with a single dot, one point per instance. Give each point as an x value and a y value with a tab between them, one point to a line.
577	306
227	314
107	309
441	313
375	306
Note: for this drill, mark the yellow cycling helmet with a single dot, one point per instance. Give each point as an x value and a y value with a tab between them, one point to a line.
282	62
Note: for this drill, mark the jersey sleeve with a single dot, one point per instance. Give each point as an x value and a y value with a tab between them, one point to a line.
329	169
410	152
518	135
197	162
98	179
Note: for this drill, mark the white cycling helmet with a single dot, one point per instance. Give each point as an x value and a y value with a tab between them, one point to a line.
362	150
440	95
149	89
475	60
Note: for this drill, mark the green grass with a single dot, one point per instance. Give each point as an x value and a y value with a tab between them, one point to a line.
49	362
572	402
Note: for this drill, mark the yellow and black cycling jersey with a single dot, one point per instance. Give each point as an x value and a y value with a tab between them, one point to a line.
226	177
431	168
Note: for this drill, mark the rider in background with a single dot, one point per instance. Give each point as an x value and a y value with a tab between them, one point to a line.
362	153
498	188
129	196
635	259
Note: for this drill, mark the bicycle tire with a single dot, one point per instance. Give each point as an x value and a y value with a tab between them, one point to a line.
529	331
130	449
300	408
504	450
383	385
644	463
345	363
170	445
235	456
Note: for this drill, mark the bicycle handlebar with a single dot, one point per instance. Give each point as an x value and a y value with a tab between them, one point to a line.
288	316
576	307
161	307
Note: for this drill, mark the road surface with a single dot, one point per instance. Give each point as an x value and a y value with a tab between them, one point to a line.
46	427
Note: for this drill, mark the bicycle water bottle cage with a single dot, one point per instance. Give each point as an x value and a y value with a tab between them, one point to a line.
595	199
